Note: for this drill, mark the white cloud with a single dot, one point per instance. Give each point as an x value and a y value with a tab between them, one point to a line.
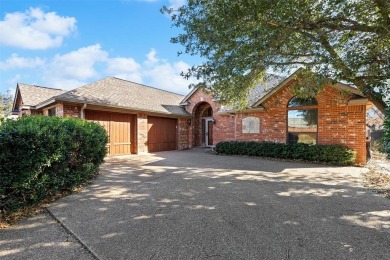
165	75
151	57
85	65
73	69
16	78
17	62
35	29
175	4
125	68
152	71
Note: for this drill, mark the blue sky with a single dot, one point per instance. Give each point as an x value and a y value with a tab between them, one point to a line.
66	44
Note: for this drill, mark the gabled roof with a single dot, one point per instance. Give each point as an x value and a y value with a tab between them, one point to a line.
283	83
269	82
185	100
264	88
32	95
119	93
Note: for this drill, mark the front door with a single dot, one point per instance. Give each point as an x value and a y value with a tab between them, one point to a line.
209	132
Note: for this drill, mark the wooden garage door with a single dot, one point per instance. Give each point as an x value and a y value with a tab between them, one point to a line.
120	129
161	134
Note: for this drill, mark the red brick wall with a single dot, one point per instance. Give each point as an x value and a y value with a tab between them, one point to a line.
183	133
338	123
30	112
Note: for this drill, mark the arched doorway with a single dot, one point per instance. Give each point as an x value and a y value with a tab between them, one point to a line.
203	125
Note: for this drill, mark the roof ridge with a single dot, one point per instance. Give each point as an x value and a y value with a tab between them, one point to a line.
37	86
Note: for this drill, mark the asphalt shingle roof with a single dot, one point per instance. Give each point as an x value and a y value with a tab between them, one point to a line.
33	95
121	93
270	81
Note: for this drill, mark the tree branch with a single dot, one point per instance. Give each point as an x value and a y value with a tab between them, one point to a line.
293	63
384	8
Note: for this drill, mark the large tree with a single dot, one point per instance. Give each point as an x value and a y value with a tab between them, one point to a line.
339	40
5	104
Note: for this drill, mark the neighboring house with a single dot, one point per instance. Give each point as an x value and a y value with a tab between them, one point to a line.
28	96
375	119
375	126
141	119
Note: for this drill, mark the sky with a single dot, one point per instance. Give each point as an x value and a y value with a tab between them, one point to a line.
69	43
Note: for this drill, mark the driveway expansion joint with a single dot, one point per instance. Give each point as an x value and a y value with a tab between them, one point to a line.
70	232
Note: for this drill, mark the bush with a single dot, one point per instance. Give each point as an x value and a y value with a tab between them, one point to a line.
385	141
41	156
333	154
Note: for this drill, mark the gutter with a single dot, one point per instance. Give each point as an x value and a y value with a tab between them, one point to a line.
45	103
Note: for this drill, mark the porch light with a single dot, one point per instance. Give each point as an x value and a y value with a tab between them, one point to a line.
189	121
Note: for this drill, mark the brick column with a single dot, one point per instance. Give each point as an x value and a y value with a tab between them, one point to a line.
142	133
183	129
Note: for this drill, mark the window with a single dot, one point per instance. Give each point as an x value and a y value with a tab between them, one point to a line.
302	120
52	111
300	102
208	112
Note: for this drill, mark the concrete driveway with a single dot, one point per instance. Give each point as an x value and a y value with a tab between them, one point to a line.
196	205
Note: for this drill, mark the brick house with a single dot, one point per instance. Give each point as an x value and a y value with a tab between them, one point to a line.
141	119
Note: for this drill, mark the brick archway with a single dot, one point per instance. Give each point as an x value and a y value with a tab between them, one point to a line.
201	113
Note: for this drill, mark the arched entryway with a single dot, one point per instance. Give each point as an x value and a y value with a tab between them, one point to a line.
203	125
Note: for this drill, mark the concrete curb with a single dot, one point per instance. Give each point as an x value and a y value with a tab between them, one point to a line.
94	255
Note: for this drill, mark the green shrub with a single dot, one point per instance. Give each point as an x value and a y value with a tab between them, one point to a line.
333	154
385	141
41	156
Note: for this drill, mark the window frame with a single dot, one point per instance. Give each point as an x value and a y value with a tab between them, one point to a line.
300	107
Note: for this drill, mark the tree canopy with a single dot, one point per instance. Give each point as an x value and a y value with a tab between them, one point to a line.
331	40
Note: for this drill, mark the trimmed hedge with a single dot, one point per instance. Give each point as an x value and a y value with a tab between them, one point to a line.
41	156
333	154
385	141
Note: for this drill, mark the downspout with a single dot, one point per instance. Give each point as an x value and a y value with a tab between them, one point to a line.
82	114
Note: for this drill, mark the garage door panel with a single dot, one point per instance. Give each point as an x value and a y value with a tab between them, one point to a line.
120	128
162	134
121	133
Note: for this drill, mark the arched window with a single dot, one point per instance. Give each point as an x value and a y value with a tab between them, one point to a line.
299	102
302	120
208	112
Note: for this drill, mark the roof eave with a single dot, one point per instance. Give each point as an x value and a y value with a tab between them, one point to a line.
188	96
184	103
45	103
120	107
346	87
358	102
27	107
